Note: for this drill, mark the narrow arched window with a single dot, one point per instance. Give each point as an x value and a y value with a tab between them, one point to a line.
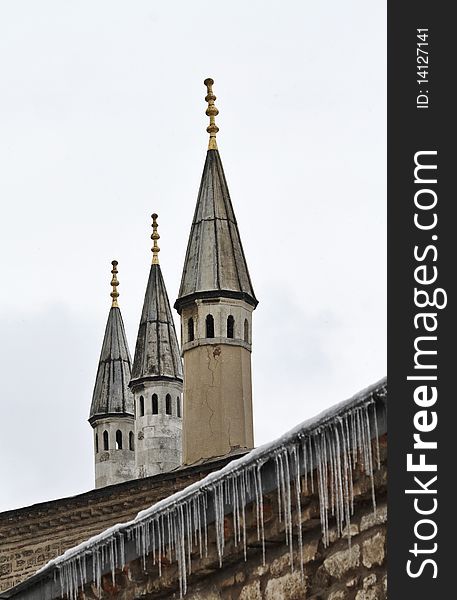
105	441
131	442
230	326
209	326
118	439
178	406
155	404
141	407
96	442
246	331
168	404
190	330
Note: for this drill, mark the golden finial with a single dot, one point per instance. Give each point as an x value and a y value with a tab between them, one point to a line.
212	112
154	237
114	283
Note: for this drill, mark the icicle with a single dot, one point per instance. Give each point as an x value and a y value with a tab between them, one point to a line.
262	528
323	509
311	467
378	453
305	464
189	538
111	560
278	485
345	476
159	547
370	458
243	512
289	507
199	525
296	455
282	486
349	464
205	524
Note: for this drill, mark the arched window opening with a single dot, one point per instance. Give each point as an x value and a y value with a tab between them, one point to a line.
209	326
141	408
168	404
155	404
230	326
246	331
118	439
105	441
190	330
131	441
96	442
178	406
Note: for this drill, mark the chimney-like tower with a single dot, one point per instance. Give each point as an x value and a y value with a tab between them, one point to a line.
111	411
215	303
157	379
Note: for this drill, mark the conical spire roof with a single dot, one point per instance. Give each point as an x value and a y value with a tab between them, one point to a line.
111	393
157	352
215	264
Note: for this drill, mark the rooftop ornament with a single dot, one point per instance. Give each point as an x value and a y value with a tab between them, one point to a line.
212	112
114	283
154	237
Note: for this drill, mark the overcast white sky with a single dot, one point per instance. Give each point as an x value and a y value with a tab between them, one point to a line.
102	123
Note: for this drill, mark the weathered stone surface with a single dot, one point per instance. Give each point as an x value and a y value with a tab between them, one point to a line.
260	570
340	562
369	581
338	595
370	591
334	536
288	587
373	550
279	565
239	577
310	550
367	595
251	591
227	581
207	594
352	582
373	519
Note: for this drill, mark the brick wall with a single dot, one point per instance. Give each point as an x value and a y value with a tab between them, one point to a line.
31	536
341	571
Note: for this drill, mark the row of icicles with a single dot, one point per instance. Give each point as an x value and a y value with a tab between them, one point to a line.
180	528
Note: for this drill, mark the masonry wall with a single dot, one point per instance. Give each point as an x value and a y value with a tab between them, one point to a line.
344	570
31	536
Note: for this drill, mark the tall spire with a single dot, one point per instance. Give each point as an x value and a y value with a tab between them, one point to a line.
111	393
215	303
212	112
215	264
157	351
157	379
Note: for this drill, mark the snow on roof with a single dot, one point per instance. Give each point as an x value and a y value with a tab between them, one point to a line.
335	441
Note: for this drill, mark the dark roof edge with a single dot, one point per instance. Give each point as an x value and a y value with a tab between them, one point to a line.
230	294
135	382
107	415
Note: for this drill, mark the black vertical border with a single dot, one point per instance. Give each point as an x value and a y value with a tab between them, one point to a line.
411	130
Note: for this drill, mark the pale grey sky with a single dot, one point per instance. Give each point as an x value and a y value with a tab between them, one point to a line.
102	123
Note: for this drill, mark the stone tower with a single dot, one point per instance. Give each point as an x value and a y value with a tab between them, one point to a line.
157	379
111	411
215	302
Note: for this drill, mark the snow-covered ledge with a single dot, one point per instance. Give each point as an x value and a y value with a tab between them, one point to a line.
330	445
